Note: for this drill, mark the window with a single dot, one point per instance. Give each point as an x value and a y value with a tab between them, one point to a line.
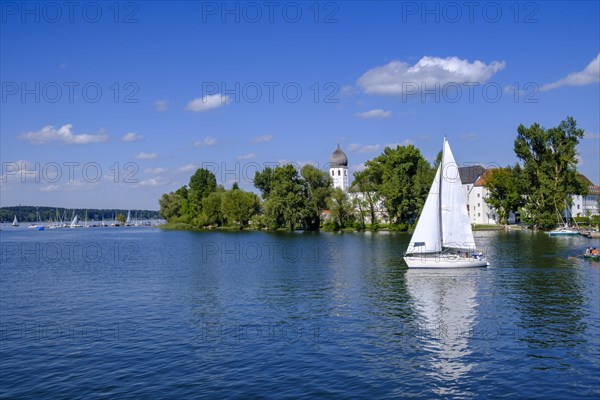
478	204
339	172
345	172
578	206
332	173
478	194
479	214
467	188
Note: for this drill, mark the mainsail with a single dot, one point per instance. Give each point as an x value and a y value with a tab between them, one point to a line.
456	227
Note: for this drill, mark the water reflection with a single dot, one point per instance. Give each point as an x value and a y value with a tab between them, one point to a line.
446	305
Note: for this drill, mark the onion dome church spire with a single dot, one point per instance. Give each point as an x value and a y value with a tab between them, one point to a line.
338	169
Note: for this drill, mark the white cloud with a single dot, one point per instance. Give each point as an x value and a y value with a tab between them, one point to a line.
49	188
207	102
397	76
132	137
146	156
63	134
155	171
189	168
246	156
591	74
153	182
348	90
262	139
377	113
161	105
468	136
207	142
405	142
357	148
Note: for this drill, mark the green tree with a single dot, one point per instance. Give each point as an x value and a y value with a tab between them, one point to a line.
503	193
287	201
262	181
211	209
202	183
319	186
341	209
121	218
549	169
402	177
364	182
238	206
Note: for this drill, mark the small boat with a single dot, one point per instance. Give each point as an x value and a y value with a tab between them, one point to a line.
443	237
15	222
564	231
594	257
38	225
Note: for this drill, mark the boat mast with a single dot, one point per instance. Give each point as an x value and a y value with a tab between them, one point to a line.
440	196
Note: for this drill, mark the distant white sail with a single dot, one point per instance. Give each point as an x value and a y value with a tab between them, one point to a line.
15	222
75	221
128	221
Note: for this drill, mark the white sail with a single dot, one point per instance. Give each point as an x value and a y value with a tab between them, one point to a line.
456	228
426	238
15	222
75	221
128	221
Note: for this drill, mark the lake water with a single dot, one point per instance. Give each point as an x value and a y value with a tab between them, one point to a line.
140	312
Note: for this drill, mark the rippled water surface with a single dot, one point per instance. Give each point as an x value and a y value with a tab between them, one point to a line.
140	312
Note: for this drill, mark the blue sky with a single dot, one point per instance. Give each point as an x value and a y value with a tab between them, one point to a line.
129	100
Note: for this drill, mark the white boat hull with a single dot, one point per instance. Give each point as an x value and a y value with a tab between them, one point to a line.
563	233
444	261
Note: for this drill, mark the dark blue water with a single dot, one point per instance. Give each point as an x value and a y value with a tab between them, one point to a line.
140	312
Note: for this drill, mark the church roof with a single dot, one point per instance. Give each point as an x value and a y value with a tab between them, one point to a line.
338	158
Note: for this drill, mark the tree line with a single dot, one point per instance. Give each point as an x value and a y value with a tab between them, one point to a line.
29	213
294	199
396	183
539	184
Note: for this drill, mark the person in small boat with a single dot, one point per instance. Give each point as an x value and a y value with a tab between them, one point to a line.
595	252
588	251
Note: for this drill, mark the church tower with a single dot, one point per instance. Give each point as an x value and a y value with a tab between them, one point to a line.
338	169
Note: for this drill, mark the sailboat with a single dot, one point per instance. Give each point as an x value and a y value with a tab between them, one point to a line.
75	221
38	225
128	221
15	222
443	237
564	230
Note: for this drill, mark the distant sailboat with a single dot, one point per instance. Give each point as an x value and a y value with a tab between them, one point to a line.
443	237
38	225
15	222
565	230
75	222
128	220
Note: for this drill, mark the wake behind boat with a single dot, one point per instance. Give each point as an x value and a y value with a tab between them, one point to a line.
443	237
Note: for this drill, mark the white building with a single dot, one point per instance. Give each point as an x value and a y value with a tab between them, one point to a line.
584	206
338	169
480	212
